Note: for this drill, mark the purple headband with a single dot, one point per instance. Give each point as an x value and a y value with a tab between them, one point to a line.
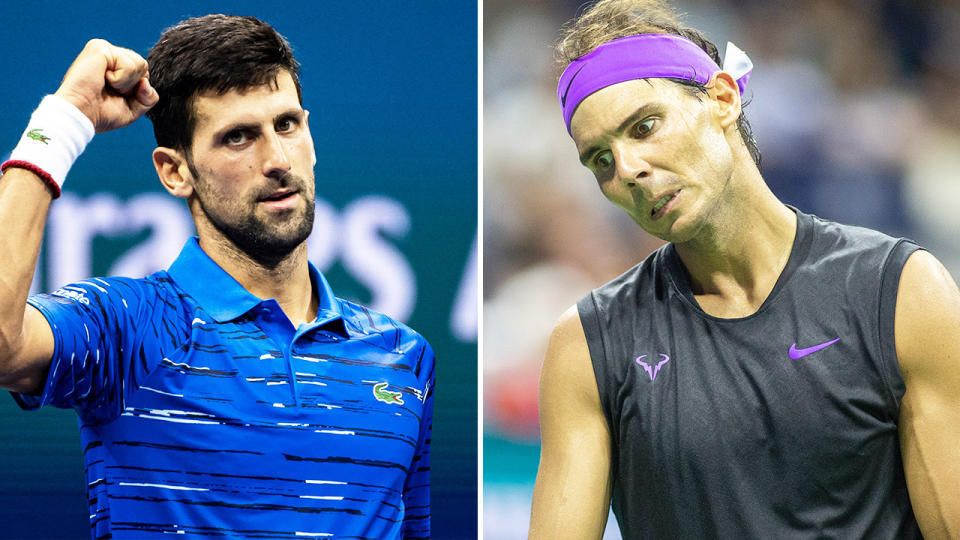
640	57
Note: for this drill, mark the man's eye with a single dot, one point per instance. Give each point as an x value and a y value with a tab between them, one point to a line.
287	124
603	160
644	127
235	137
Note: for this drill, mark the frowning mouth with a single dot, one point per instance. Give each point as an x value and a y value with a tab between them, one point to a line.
663	204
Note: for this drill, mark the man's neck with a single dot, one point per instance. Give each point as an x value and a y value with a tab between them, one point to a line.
288	281
736	260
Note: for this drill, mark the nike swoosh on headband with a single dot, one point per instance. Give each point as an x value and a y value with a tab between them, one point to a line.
563	99
643	56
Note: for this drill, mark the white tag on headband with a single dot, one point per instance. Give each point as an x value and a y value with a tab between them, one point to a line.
736	62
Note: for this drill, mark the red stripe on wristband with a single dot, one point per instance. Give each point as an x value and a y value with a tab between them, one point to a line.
44	175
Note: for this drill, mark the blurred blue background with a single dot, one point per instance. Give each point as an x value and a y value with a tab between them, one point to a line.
855	108
392	90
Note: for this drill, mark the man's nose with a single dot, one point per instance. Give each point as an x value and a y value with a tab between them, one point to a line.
275	161
632	168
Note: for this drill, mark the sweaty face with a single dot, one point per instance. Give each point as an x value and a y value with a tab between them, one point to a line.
252	165
658	152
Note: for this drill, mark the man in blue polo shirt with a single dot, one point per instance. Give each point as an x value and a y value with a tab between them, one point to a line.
234	394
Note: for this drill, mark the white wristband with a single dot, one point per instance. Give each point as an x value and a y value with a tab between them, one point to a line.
55	136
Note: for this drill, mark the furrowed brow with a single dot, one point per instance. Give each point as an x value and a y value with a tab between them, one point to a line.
637	114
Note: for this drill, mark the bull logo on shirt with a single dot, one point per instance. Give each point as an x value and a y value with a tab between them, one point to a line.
652	369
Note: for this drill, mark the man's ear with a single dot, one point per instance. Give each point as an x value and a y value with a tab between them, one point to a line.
173	171
726	94
313	153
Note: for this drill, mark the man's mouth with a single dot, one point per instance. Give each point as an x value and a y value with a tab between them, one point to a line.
282	199
278	195
664	200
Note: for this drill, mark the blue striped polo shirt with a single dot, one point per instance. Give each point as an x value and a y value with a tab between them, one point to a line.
204	412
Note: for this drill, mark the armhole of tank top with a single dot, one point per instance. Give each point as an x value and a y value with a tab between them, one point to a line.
889	286
589	313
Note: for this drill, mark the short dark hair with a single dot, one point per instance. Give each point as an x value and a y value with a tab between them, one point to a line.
213	53
606	20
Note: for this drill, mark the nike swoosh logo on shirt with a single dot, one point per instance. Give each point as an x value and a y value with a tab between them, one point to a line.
796	353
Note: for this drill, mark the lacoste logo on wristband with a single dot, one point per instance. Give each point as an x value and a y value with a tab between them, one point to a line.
37	136
387	396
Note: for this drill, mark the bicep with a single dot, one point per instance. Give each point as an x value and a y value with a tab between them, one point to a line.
25	372
928	349
571	498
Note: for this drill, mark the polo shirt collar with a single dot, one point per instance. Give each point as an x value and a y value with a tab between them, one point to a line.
222	296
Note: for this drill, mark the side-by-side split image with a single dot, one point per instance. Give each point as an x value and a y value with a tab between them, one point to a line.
499	270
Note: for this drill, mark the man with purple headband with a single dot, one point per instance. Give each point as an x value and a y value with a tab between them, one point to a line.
766	374
232	395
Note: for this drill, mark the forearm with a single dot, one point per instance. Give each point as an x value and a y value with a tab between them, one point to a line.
105	88
24	202
55	135
569	502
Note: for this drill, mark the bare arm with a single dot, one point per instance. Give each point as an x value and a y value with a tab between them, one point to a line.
109	85
928	349
571	498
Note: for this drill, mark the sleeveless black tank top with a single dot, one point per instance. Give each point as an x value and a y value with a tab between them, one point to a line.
782	424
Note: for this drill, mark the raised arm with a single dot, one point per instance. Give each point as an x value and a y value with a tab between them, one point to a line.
571	498
109	86
928	348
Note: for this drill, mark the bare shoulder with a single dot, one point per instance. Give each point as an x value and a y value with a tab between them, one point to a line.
927	317
567	362
568	327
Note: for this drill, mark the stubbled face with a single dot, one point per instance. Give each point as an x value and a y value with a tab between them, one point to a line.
658	152
252	164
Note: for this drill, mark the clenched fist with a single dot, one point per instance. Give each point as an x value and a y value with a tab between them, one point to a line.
109	84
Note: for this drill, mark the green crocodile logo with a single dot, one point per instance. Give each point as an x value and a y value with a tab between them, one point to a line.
37	136
387	396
